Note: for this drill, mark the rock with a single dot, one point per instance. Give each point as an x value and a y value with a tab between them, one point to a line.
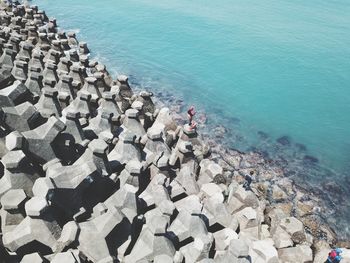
125	151
149	246
210	168
30	232
223	238
14	141
98	146
220	131
198	249
22	117
298	254
126	200
187	179
285	207
154	194
264	251
282	239
247	218
234	205
132	123
284	140
13	199
178	257
185	226
104	231
239	248
32	258
66	257
36	206
321	255
14	95
117	179
163	259
217	213
295	228
276	215
210	189
166	207
247	198
100	209
13	159
191	204
310	159
39	141
18	173
278	194
110	106
304	209
69	234
125	90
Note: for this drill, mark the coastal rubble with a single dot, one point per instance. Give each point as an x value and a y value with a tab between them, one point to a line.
94	172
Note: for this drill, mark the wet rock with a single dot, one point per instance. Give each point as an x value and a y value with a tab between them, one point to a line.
263	135
220	131
303	209
301	147
308	159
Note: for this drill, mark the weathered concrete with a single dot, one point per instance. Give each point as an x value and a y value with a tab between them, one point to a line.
95	172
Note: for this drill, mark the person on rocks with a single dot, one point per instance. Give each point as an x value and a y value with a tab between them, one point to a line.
248	180
190	113
334	256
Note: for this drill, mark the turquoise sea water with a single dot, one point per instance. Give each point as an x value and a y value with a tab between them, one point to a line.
264	69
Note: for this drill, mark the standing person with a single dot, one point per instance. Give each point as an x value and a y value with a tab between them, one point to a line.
334	256
190	113
248	180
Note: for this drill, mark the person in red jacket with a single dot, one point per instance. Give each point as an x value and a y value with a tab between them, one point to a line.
190	113
334	256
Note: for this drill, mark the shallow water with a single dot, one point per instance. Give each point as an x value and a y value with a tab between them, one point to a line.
264	69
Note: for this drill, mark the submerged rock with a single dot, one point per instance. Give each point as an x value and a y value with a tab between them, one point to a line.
284	140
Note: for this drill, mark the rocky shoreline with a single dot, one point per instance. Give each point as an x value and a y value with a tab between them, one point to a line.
94	172
321	195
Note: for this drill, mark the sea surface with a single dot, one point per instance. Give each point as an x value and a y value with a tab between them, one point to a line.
275	73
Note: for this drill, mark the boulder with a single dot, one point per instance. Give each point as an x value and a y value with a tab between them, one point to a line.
67	257
282	239
238	248
264	251
298	254
223	238
247	218
294	228
36	206
33	258
13	199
